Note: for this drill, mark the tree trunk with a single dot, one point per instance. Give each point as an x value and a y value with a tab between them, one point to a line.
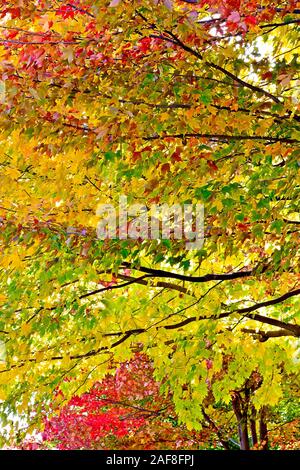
242	420
253	427
243	434
263	429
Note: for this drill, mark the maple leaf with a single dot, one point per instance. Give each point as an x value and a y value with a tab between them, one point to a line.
66	11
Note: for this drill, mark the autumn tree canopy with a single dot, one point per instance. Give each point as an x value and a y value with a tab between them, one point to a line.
165	102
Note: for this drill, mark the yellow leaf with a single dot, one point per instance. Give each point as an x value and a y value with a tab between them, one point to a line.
3	395
25	329
12	172
218	205
68	54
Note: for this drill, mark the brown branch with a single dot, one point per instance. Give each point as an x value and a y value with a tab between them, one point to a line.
198	55
263	336
161	284
182	277
243	83
260	114
230	75
295	329
277	25
246	312
296	222
134	407
223	137
267	303
117	286
51	43
127	334
287	326
81	10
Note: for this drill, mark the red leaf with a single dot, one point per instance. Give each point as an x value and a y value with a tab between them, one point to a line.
243	227
12	34
267	75
165	168
13	12
212	165
144	44
250	20
136	156
176	155
66	11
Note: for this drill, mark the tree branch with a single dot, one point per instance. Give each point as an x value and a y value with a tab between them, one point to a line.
81	10
216	429
199	56
223	137
165	285
263	336
295	329
225	72
277	25
183	277
246	312
117	286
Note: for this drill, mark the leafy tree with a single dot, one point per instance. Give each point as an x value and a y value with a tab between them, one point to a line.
177	102
124	411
